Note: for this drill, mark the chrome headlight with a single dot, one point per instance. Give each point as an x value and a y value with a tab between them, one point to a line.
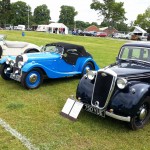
91	74
20	64
8	61
122	83
12	63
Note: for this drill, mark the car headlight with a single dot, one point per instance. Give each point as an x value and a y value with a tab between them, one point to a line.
12	63
8	61
91	75
122	83
20	64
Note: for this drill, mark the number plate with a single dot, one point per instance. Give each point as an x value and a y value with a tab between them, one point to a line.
94	110
15	77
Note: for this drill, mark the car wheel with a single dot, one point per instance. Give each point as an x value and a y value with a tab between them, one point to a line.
142	116
32	79
1	51
87	66
5	75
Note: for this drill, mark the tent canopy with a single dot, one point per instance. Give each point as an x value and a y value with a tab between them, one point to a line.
139	30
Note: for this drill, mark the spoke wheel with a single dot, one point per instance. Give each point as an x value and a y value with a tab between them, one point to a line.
88	66
32	79
5	74
142	116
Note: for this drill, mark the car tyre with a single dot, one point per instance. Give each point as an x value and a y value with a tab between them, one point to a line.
88	66
32	79
1	51
142	116
2	71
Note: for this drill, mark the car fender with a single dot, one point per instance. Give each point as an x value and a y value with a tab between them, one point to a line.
86	61
127	101
50	73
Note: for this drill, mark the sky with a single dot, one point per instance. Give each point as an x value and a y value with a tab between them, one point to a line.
132	8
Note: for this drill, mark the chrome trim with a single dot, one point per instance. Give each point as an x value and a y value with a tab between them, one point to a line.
108	71
126	119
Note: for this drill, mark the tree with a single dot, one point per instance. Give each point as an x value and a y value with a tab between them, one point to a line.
143	20
4	12
42	15
112	11
67	14
19	13
121	26
82	25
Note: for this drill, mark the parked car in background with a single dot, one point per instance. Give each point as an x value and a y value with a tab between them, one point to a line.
57	60
128	36
101	34
16	47
122	89
139	36
148	37
88	33
118	35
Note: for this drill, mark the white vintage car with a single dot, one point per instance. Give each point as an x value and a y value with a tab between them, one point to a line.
15	48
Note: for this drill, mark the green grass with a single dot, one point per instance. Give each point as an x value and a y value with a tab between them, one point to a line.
36	113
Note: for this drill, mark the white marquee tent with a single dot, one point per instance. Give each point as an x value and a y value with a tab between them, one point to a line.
139	30
58	28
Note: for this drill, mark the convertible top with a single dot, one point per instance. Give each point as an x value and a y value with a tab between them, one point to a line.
67	46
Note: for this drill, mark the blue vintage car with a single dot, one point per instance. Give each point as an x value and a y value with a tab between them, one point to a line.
57	60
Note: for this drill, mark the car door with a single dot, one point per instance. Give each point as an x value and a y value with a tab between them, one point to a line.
68	61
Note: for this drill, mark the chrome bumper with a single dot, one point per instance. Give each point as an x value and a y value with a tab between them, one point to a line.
102	113
127	119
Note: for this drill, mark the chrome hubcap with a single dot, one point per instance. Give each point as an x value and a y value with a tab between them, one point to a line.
143	114
33	78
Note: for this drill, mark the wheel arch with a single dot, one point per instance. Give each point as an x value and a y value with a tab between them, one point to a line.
127	101
87	61
29	49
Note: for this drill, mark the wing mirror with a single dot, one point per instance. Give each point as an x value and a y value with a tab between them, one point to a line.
42	48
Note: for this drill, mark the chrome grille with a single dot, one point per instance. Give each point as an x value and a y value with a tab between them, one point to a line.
18	58
103	89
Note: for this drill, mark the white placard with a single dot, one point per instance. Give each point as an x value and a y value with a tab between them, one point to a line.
76	109
68	106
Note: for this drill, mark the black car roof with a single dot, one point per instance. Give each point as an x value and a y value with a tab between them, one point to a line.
66	46
138	44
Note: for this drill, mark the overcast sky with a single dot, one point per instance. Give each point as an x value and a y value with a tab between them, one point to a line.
132	8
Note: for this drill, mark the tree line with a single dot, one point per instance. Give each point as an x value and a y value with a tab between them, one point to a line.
111	12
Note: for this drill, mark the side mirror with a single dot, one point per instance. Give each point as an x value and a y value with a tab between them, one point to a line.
64	55
42	48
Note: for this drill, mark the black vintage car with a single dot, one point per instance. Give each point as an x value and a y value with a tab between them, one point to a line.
121	90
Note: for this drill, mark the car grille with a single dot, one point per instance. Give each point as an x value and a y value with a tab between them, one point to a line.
18	58
103	88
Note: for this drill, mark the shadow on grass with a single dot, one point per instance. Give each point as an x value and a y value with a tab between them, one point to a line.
107	123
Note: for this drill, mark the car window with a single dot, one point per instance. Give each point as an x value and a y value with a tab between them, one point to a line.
135	53
72	51
55	49
124	53
138	53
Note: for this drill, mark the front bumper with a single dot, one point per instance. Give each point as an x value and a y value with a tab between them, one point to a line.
102	113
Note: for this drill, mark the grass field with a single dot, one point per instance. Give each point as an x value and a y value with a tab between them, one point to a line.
36	113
